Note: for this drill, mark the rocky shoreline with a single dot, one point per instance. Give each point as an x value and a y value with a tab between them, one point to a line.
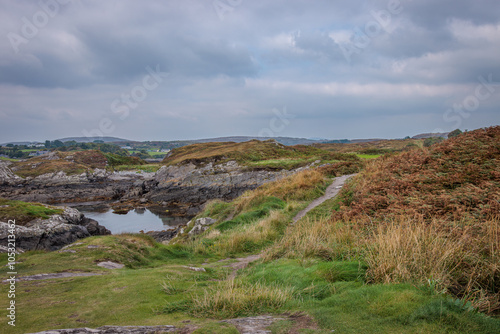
53	233
187	186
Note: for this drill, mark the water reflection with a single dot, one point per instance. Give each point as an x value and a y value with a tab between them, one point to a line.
135	220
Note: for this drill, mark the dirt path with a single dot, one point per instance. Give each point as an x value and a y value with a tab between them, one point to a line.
242	264
330	192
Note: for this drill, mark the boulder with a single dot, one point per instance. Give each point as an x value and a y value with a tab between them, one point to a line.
53	233
201	225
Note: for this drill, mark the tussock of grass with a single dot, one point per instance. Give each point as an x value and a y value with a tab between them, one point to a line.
231	299
118	160
303	186
248	238
316	238
261	209
464	261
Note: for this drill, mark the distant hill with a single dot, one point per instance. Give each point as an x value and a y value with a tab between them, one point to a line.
431	135
21	143
370	140
288	141
92	139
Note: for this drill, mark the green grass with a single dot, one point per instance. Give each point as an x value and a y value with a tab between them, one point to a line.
156	289
130	296
149	168
118	160
8	159
260	211
368	156
24	212
280	163
324	210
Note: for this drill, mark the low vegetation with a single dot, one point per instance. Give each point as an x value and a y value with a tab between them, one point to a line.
455	180
376	147
72	163
24	212
411	245
257	155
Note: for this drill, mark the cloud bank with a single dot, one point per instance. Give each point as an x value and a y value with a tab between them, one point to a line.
342	70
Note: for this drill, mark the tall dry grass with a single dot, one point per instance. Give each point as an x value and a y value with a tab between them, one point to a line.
461	259
230	299
316	238
305	185
244	239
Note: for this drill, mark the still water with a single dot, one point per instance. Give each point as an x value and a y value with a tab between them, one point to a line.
134	221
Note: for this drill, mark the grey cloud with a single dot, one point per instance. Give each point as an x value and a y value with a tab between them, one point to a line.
263	55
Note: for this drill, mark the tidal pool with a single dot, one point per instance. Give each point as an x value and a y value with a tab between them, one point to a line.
134	221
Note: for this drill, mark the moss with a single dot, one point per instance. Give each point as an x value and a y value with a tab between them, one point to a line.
23	212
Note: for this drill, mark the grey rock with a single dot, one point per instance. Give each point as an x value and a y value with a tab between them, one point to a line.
115	330
161	236
110	265
253	325
195	269
39	277
196	184
201	225
7	177
53	233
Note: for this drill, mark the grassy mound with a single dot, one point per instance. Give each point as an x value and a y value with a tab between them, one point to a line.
24	212
256	154
72	163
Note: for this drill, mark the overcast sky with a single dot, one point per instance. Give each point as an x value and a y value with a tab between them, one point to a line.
165	70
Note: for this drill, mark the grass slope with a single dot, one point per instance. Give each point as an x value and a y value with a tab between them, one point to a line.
257	154
24	212
453	180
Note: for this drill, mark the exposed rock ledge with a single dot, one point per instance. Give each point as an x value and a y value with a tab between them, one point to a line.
59	187
188	185
53	233
194	184
115	330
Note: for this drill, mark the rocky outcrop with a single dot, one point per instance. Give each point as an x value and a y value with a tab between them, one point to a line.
53	233
194	184
200	225
95	185
7	177
165	235
186	186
